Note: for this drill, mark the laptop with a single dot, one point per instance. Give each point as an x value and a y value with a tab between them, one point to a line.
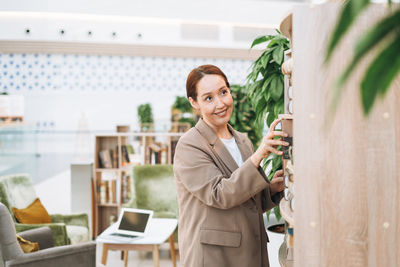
132	224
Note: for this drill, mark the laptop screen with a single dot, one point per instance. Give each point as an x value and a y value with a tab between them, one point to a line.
133	221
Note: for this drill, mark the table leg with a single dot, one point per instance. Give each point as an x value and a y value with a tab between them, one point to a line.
126	258
172	249
104	254
156	256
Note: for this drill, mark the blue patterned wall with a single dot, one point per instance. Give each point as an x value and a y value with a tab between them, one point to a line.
62	89
40	73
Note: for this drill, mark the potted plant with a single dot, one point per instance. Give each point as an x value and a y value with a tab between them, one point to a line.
182	114
243	116
265	87
145	115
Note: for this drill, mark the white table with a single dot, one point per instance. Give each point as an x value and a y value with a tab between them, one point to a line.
159	231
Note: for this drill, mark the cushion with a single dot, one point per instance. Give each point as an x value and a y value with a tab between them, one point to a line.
77	234
27	246
33	214
17	190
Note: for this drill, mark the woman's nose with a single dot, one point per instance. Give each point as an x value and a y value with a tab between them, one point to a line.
219	102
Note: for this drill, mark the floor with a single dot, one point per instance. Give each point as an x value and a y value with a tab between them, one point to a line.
58	187
136	259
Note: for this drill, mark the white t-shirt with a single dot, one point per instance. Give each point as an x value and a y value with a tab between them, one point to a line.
233	148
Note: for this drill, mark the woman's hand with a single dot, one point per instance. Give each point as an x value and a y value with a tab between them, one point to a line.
269	144
277	184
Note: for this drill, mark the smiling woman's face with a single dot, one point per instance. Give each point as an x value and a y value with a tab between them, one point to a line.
214	100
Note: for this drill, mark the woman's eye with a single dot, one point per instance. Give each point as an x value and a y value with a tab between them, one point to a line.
208	98
224	92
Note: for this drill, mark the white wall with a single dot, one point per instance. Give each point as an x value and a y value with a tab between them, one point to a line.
239	11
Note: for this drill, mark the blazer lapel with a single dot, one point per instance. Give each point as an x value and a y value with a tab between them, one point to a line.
219	148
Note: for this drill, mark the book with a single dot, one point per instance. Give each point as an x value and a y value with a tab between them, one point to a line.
105	159
102	192
114	191
125	188
114	158
164	155
125	155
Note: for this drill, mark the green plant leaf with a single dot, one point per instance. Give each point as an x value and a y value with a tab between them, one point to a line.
261	39
277	55
277	213
369	40
276	88
270	117
266	84
350	11
386	66
265	60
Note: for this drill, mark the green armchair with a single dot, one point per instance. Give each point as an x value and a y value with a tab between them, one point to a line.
18	191
155	190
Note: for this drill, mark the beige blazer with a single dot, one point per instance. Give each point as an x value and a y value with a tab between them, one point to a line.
220	205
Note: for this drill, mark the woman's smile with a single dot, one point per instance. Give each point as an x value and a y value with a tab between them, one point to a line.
221	113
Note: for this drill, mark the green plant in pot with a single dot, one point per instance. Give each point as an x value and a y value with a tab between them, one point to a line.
145	115
243	117
265	87
182	111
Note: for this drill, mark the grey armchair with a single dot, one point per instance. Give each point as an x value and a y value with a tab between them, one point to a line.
79	255
17	191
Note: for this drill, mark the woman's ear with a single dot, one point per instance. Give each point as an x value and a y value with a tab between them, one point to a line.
194	103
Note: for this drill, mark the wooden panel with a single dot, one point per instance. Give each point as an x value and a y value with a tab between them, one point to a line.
347	173
126	50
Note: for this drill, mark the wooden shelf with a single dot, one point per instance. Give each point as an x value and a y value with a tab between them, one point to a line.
107	170
109	148
286	212
108	205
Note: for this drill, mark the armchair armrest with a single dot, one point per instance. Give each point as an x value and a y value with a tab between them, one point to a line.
59	231
42	235
80	255
81	219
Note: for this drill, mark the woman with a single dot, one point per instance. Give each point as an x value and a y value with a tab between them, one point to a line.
222	191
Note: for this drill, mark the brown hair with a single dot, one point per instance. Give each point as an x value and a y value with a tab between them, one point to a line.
195	76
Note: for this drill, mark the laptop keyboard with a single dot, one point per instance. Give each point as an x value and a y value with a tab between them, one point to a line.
122	235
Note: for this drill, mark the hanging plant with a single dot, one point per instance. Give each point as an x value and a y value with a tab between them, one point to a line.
265	86
243	115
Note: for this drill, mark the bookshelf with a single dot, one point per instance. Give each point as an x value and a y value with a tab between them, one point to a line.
115	156
286	251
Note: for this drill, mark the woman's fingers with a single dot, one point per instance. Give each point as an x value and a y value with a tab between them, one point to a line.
278	180
275	151
278	173
274	123
279	133
277	143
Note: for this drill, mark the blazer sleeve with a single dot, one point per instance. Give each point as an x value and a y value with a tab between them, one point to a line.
196	170
268	201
